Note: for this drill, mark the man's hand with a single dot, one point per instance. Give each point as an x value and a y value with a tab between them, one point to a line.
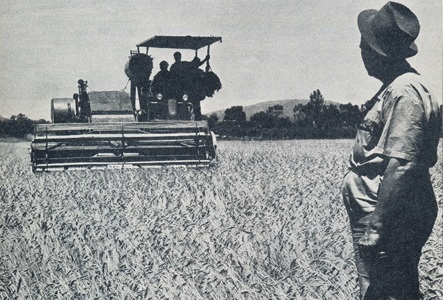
369	244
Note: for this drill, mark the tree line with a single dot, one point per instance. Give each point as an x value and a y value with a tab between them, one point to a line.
314	119
18	126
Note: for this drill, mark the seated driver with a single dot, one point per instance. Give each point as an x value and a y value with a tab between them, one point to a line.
162	79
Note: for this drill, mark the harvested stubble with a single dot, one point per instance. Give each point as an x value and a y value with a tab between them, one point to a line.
266	223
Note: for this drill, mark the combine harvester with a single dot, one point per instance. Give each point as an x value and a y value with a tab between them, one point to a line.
149	127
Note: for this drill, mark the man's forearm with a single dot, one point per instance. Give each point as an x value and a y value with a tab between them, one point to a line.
392	195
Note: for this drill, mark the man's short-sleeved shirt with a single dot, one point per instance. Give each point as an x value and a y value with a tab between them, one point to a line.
404	123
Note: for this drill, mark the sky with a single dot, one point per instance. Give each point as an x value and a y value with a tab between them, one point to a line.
271	50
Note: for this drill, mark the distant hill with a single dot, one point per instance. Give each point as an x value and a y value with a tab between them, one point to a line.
288	106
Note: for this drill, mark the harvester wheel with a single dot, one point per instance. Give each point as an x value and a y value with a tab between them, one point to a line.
33	168
213	149
212	153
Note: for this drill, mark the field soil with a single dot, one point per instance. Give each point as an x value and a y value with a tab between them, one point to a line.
265	222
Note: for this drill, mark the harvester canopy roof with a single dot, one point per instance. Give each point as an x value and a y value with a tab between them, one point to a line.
179	42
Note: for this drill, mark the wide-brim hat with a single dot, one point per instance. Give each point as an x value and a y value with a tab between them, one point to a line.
391	31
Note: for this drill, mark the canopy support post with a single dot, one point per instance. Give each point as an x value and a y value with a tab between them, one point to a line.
208	67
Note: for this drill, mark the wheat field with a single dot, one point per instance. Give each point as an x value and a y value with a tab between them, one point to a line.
266	222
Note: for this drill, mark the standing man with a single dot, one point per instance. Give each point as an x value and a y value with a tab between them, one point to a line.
387	191
187	75
181	68
178	67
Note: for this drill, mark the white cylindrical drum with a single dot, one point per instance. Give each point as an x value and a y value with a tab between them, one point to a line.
62	110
